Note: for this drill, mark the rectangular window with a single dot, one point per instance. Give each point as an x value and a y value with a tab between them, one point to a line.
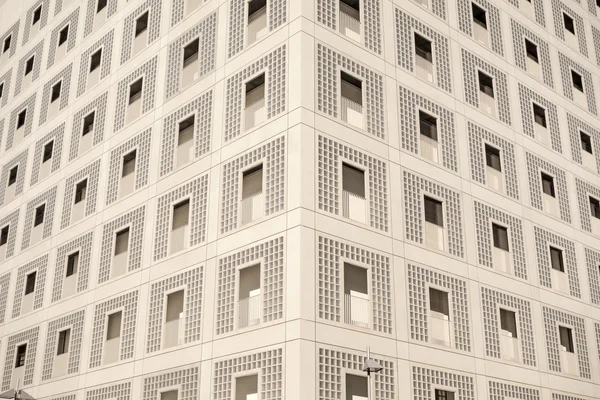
443	395
80	191
29	65
55	92
1	89
492	158
95	60
539	115
39	215
508	322
255	6
577	81
88	123
479	15
595	207
63	35
423	47
4	235
37	15
486	84
7	44
586	142
353	180
141	24
566	338
438	301
64	337
253	87
548	184
252	182
21	353
12	175
48	148
174	305
428	125
351	88
135	90
21	118
101	5
185	134
569	23
433	211
122	241
129	163
500	234
532	50
181	214
113	329
30	283
190	52
556	259
72	263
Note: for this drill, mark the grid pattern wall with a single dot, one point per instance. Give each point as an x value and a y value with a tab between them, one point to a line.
4	289
56	136
471	64
141	144
528	97
178	10
494	27
154	9
29	18
185	380
552	319
273	65
329	65
135	221
49	199
98	107
92	174
276	10
267	364
558	396
519	34
405	28
13	32
419	280
197	193
491	301
30	337
334	363
12	221
20	161
74	322
566	65
543	240
330	157
64	77
28	105
425	380
270	256
597	332
202	109
576	126
272	156
105	43
596	42
584	191
191	282
39	265
535	166
68	396
478	137
128	305
206	33
558	8
111	6
120	391
485	215
332	256
73	22
501	390
83	245
592	260
415	188
5	80
36	52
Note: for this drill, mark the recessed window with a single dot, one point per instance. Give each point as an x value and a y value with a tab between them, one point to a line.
39	215
55	92
353	180
181	214
113	329
595	207
486	84
539	115
190	52
492	158
37	15
532	50
428	125
479	15
577	81
255	83
101	5
80	191
443	395
122	241
438	301
141	24
47	155
1	89
586	142
63	35
64	337
556	259
6	46
21	353
508	322
95	60
351	88
135	90
423	47
12	175
30	283
184	133
21	118
252	181
72	264
29	65
129	163
569	23
4	235
88	123
548	185
597	3
566	339
255	6
500	236
433	211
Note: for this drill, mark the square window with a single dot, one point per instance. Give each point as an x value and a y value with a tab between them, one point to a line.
21	353
63	35
500	235
4	235
508	322
95	60
64	337
479	15
141	24
486	84
556	259
423	47
548	185
586	142
438	301
39	215
30	283
566	339
433	211
48	148
12	175
569	23
577	81
492	158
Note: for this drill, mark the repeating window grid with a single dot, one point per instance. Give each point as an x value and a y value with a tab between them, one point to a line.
1	129
471	64
331	255
49	199
274	67
135	220
483	214
405	26
329	64
566	65
560	396
197	191
577	125
65	77
73	21
592	260
4	288
31	337
5	80
552	318
237	25
538	10
202	108
106	44
39	265
328	12
418	279
592	7
56	136
477	137
14	31
330	153
206	33
154	8
75	322
148	72
269	363
333	363
82	244
92	174
527	98
141	144
68	396
21	161
273	156
29	18
415	187
558	8
424	381
534	167
543	240
270	254
191	281
501	390
28	104
465	22
12	220
185	379
584	190
490	300
37	64
178	10
128	303
120	391
91	13
596	40
597	332
98	106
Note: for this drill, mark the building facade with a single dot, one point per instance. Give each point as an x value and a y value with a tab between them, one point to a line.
232	199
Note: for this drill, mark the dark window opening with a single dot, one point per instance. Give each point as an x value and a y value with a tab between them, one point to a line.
4	235
508	322
122	241
135	90
438	301
492	158
129	163
72	262
556	259
80	190
548	184
64	338
63	35
55	92
539	115
479	15
37	15
39	215
21	118
30	283
12	175
95	60
532	50
101	5
88	123
443	395
255	5
428	125
353	180
252	180
569	23
433	211
500	235
486	84
566	338
423	47
48	147
1	89
595	207
29	65
20	358
190	52
7	44
586	142
577	81
141	24
255	83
